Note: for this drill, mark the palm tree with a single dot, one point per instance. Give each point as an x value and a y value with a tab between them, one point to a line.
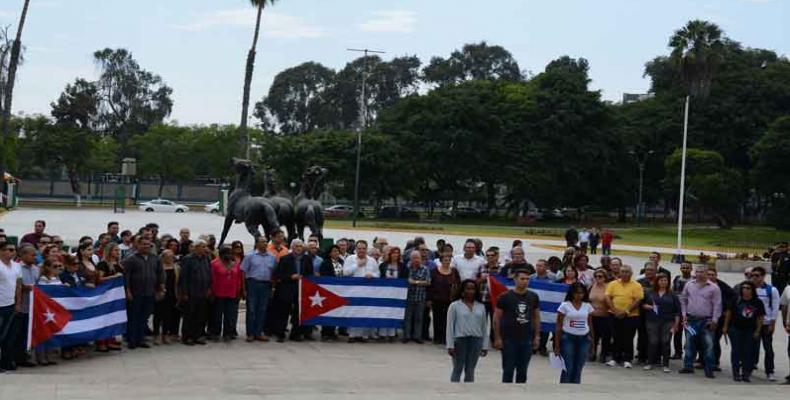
8	90
696	50
245	102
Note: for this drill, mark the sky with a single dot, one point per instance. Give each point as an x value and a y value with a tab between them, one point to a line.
199	47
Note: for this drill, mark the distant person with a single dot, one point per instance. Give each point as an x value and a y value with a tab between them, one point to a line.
780	267
466	332
517	328
112	229
35	236
571	237
584	240
595	239
607	237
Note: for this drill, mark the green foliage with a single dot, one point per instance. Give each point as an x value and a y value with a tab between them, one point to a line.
166	152
477	61
771	173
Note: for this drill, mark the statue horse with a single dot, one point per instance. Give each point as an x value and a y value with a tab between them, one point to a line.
283	207
309	212
243	207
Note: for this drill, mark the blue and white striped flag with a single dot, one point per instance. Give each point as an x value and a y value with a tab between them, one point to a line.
353	302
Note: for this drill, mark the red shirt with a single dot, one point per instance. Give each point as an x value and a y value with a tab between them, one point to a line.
225	283
607	238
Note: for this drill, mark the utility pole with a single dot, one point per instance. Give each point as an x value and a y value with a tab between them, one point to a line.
679	257
363	122
640	160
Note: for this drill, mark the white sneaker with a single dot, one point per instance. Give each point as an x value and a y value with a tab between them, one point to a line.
627	365
647	367
667	370
611	363
771	377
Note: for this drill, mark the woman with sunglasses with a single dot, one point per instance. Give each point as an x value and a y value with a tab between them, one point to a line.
743	323
572	337
601	317
238	250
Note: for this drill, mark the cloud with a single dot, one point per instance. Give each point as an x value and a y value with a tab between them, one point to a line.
391	21
273	25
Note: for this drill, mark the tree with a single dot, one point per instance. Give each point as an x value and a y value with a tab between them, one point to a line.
474	61
297	101
697	51
212	148
248	70
131	99
771	173
710	184
7	90
78	105
165	152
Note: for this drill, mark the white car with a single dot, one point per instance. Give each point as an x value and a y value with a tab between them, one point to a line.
212	207
162	205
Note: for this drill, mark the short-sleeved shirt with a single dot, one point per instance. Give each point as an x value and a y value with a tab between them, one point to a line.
259	266
468	267
746	313
517	310
625	294
9	276
575	320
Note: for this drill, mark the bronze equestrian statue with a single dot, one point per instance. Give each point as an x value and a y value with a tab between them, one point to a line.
309	212
282	206
243	207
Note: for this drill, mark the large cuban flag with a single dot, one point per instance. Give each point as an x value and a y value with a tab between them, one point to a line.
352	302
550	295
66	316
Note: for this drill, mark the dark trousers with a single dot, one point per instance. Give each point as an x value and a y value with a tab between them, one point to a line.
743	348
659	333
286	307
426	323
258	293
142	307
593	247
602	329
6	337
413	320
767	340
642	340
439	310
195	318
167	318
624	331
606	249
515	358
574	349
467	352
544	339
20	328
678	341
225	317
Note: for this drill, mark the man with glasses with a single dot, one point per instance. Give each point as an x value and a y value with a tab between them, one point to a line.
769	295
10	303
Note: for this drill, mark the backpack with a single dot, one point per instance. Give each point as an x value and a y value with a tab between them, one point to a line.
770	292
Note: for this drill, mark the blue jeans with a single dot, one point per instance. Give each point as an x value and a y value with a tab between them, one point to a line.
226	315
744	347
258	293
412	324
467	352
142	307
704	338
515	358
6	337
574	349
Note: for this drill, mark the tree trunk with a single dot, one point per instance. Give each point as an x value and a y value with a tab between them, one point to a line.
5	120
161	184
245	101
490	198
74	180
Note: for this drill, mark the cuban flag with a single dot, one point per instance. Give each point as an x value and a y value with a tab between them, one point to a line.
550	295
65	316
352	302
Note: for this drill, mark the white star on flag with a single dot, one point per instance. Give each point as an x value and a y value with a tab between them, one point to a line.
317	300
50	316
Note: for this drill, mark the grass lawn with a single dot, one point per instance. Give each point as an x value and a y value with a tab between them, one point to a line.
747	239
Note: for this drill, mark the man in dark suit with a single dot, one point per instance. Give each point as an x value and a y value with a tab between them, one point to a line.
289	271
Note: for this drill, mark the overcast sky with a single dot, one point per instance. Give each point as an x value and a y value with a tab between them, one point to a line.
199	46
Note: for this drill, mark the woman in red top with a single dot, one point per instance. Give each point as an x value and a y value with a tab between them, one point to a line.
227	287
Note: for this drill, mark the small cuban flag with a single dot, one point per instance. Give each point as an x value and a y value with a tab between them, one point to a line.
65	316
352	302
550	294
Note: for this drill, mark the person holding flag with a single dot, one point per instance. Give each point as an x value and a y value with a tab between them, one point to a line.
662	318
517	328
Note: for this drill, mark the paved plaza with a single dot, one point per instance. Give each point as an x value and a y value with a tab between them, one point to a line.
312	370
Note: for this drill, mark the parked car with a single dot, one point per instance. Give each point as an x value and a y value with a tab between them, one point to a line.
212	207
162	205
341	211
397	212
462	212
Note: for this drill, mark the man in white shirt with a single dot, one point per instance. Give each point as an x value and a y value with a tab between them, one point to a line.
468	264
770	298
10	303
360	265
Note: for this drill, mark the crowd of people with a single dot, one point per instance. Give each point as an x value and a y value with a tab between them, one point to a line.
186	290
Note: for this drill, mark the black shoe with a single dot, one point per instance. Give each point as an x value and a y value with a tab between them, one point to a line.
710	375
144	345
132	346
404	340
26	364
280	340
746	379
736	378
676	357
188	343
295	339
686	371
353	340
716	369
200	342
418	341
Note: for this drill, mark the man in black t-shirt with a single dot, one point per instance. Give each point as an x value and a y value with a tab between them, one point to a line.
517	328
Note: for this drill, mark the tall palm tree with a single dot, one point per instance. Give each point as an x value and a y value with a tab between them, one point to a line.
5	118
697	49
245	102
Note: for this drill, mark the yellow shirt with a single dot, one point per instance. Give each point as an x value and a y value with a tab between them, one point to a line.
624	294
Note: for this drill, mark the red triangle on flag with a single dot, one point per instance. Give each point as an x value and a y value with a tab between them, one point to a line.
47	316
495	289
315	300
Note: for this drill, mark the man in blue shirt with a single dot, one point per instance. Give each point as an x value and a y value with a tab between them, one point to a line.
257	268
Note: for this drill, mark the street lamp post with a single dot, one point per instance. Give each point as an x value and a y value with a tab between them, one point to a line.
641	163
679	257
363	122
